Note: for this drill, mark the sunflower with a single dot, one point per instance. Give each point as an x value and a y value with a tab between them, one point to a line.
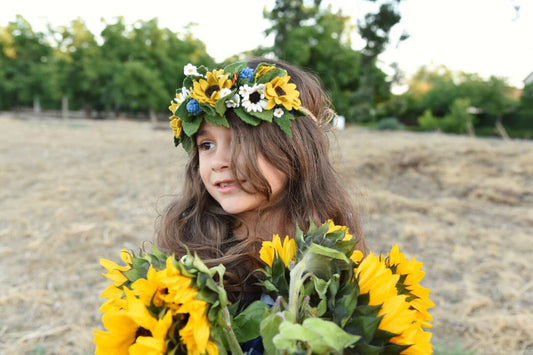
263	69
132	330
169	288
114	292
207	91
286	252
115	271
280	92
400	317
376	279
176	125
410	275
195	334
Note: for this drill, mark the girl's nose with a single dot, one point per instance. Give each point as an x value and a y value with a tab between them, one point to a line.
222	159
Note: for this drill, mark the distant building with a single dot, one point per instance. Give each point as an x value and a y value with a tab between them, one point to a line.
529	79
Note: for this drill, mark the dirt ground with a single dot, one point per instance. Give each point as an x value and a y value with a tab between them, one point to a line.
75	191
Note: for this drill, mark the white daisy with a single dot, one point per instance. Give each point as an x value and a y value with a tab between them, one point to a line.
224	92
278	112
190	69
235	101
253	98
244	90
181	96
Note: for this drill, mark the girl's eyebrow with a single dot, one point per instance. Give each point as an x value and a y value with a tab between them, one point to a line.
201	132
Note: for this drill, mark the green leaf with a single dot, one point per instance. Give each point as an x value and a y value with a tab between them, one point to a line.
268	328
246	117
191	127
187	144
365	326
263	115
202	70
246	324
267	77
284	123
217	120
328	252
322	336
135	274
235	67
220	106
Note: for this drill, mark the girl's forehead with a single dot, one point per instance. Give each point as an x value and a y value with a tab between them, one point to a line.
208	128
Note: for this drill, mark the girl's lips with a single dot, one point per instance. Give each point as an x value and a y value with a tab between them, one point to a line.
226	185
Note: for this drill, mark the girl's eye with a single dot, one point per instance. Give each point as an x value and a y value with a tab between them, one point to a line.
206	145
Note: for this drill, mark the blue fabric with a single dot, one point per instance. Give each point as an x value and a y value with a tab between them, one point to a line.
253	347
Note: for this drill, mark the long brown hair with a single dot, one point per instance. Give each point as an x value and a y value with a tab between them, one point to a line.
196	222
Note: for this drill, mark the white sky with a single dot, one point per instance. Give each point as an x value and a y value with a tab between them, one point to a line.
475	36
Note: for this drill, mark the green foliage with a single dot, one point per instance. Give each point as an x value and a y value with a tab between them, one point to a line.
318	39
26	63
456	121
133	69
451	97
390	123
428	122
523	118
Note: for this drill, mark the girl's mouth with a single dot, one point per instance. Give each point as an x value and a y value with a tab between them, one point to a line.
227	185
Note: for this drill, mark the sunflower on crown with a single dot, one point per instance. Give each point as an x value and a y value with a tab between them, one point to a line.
263	94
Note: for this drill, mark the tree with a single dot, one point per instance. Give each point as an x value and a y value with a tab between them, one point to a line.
318	39
79	57
25	59
375	31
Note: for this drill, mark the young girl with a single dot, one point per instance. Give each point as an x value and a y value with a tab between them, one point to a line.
258	165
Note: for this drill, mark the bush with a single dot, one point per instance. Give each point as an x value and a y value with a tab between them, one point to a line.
389	123
428	122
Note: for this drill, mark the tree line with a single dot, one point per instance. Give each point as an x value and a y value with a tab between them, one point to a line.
135	69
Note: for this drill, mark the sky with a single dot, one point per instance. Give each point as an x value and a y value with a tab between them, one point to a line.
487	37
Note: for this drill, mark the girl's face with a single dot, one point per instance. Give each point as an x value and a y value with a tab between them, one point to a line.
214	150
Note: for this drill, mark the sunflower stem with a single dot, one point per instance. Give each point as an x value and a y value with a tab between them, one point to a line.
296	283
233	343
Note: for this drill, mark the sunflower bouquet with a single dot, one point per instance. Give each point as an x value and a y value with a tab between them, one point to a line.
319	297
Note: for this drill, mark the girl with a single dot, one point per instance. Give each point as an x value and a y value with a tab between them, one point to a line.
258	166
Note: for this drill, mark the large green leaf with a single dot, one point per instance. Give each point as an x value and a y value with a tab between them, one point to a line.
246	324
322	336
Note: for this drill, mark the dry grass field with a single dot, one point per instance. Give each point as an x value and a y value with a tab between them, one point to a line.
75	191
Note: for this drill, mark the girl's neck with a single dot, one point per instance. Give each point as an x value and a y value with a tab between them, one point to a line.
260	225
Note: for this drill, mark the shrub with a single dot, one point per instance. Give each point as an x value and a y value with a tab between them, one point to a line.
389	123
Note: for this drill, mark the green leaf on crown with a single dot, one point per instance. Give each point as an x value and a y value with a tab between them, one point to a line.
284	122
202	70
235	68
182	112
246	117
190	127
187	144
268	76
188	81
263	115
220	105
217	120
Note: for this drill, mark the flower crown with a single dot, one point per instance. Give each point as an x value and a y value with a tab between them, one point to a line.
263	94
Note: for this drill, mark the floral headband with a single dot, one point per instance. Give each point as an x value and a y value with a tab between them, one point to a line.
263	94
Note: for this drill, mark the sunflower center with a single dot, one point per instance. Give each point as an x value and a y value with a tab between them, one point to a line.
255	97
280	91
142	332
210	90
